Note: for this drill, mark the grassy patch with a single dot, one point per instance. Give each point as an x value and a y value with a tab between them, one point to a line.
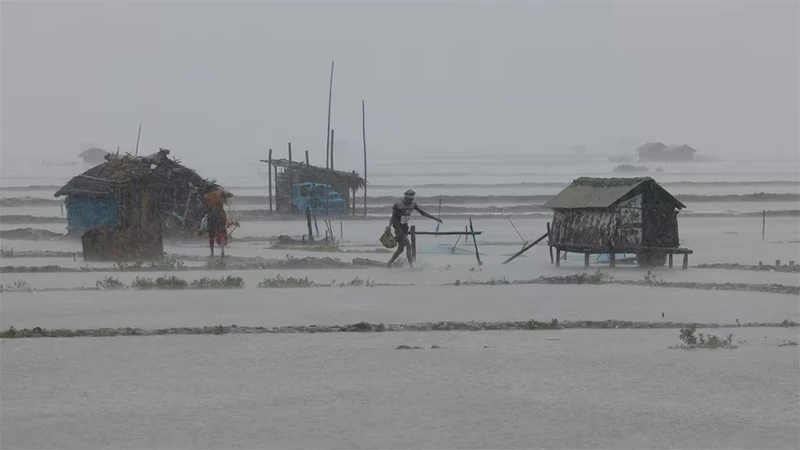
289	282
228	282
164	282
690	340
534	325
109	282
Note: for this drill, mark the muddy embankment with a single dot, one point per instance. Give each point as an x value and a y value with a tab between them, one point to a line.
654	280
366	327
784	268
598	278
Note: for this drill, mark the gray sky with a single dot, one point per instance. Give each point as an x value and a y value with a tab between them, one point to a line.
450	77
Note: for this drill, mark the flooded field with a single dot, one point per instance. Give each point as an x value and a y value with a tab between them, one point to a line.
589	389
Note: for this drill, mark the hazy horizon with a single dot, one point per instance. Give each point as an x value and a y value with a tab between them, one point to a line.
214	80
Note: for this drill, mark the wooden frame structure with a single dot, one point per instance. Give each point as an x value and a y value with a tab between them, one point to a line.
413	233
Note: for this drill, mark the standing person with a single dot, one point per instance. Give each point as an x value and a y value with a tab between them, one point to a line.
217	219
401	212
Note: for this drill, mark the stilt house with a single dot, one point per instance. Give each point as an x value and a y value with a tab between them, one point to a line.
616	215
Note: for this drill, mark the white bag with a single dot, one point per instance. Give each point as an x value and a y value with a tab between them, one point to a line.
204	223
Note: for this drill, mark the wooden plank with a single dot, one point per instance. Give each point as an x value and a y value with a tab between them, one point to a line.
627	249
448	233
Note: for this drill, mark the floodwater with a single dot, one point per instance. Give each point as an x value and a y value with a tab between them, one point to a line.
590	389
508	389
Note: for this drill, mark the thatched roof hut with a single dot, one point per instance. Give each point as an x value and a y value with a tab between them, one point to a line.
128	189
293	172
625	215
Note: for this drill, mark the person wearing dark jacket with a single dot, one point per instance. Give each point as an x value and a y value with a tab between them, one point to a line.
401	212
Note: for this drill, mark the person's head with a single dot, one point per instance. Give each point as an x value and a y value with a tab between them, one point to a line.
409	196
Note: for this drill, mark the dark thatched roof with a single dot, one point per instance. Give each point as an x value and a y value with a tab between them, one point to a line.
351	179
155	169
604	192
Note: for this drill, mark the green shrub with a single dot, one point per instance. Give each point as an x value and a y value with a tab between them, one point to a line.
290	282
228	282
109	282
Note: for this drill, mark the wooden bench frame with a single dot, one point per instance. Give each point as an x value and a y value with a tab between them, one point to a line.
612	251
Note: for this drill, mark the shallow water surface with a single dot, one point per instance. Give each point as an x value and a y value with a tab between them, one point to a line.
590	389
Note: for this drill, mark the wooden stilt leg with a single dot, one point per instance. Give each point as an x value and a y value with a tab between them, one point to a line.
558	258
586	260
670	260
685	261
612	259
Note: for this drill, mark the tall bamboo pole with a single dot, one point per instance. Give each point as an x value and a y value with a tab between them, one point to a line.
364	140
328	133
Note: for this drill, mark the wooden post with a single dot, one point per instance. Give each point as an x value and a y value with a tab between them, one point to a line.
291	182
307	158
330	181
670	260
277	196
308	221
612	258
558	257
413	242
475	241
354	194
364	140
685	261
269	177
328	132
586	260
332	169
549	243
763	223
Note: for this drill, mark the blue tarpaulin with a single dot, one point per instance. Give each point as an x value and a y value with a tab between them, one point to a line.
321	198
85	213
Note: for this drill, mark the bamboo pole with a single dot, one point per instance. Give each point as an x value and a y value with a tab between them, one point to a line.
307	158
475	241
763	223
354	195
269	178
137	141
291	182
364	140
328	132
332	169
277	196
330	181
525	249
